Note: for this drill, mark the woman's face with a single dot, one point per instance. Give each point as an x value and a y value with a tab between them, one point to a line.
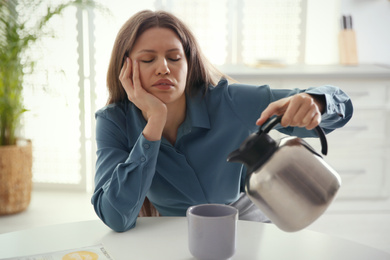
162	64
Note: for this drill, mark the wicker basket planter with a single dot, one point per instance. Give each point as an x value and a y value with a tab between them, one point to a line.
15	178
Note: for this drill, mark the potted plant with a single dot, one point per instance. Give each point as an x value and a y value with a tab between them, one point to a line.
16	36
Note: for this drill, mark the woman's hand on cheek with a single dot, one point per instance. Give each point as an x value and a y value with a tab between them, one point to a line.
146	102
300	110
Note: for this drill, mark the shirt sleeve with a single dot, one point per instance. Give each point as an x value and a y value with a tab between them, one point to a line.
248	102
123	174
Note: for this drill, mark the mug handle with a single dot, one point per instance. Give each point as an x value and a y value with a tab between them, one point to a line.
276	120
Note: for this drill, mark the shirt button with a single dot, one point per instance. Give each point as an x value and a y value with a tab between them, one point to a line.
146	146
143	159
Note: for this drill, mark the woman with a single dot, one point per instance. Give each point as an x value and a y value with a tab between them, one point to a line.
168	126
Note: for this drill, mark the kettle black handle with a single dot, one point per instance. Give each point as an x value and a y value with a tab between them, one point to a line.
320	132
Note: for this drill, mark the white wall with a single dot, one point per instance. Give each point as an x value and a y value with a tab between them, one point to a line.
371	19
372	24
321	31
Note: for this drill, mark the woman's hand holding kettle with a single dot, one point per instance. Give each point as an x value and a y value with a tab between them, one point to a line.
301	110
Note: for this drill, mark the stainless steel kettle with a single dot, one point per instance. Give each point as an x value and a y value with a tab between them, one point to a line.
287	179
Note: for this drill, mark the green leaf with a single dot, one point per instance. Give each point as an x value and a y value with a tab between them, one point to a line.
15	39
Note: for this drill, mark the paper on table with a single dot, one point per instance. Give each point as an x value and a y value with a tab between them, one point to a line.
97	252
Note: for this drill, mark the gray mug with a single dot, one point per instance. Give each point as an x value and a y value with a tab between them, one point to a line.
212	231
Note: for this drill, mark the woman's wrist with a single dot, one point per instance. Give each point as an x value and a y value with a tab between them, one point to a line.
154	127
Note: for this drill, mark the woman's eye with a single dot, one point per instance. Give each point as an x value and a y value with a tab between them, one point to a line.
147	60
174	59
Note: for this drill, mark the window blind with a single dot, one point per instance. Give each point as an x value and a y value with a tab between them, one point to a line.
51	95
273	31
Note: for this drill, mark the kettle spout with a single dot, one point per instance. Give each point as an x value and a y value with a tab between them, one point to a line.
236	156
249	157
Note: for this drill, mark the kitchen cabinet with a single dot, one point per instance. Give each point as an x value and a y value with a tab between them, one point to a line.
360	151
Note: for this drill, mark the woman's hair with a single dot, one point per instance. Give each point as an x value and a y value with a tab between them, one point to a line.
200	72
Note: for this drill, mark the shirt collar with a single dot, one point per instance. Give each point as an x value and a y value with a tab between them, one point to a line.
197	111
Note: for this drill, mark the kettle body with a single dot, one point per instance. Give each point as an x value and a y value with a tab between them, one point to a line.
287	179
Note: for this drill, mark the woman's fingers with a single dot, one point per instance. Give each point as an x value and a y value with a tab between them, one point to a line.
136	80
125	78
275	108
316	120
298	110
302	111
125	70
139	93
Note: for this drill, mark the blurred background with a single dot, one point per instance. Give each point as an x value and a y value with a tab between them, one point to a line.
283	43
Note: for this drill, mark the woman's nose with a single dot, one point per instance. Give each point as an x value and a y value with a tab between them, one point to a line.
162	67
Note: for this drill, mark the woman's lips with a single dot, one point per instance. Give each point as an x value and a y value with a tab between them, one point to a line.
163	84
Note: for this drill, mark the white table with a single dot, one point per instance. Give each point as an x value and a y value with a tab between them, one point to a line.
166	238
